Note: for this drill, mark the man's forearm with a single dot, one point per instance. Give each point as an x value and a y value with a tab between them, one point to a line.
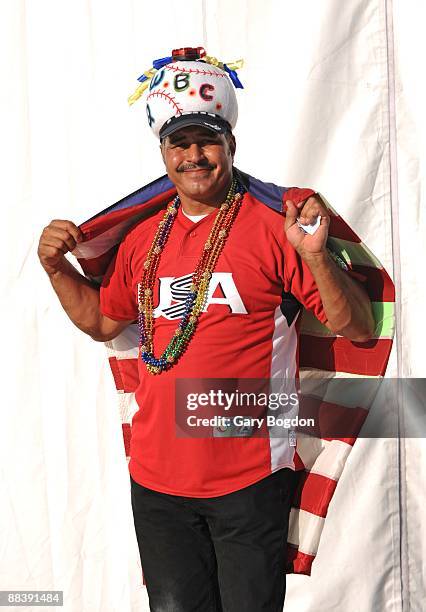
79	298
346	304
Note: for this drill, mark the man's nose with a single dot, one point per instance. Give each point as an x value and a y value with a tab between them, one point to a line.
195	152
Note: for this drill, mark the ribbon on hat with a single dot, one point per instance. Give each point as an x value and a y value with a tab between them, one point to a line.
146	77
157	64
230	68
234	77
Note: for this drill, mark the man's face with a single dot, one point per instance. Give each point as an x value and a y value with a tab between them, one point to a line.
199	163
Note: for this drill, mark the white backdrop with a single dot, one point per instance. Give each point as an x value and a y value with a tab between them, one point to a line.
333	99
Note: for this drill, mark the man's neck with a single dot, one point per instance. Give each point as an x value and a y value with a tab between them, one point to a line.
193	206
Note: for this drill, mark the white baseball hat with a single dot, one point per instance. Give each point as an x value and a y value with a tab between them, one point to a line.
184	93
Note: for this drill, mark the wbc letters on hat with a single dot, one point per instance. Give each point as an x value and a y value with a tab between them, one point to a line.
185	87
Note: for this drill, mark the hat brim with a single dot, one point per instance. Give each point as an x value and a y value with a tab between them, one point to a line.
211	122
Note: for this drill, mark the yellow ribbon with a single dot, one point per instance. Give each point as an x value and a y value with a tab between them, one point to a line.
210	59
141	87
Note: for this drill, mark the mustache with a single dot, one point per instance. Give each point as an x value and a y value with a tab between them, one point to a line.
191	166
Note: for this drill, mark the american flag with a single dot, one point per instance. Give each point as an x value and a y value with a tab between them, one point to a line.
322	355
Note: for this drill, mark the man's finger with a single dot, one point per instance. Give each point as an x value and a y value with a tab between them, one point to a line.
291	214
68	226
311	211
51	251
309	219
61	234
313	202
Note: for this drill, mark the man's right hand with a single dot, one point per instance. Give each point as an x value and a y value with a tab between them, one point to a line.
57	238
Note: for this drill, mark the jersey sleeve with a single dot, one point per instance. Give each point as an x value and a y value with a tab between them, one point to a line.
117	297
298	281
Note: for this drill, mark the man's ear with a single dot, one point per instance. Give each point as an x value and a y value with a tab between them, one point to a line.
232	144
162	150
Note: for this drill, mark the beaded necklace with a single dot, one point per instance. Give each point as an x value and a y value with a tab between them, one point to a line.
197	296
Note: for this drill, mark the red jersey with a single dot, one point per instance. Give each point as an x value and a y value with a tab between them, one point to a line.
247	330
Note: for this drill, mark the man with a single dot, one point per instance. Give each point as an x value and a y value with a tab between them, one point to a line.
211	514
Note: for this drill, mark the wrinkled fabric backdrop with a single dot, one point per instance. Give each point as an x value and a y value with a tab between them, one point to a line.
333	99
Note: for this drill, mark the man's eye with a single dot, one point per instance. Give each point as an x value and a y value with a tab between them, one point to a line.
185	145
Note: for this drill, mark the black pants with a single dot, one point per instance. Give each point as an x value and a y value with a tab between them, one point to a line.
220	554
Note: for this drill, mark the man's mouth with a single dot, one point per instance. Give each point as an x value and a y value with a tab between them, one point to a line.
195	168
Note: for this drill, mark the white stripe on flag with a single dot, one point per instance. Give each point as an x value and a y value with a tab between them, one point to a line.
125	345
104	242
358	393
323	457
305	373
305	530
127	406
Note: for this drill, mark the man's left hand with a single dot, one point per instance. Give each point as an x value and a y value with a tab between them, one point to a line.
306	213
346	304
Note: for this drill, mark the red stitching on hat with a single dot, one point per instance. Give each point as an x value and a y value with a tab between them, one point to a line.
171	99
195	71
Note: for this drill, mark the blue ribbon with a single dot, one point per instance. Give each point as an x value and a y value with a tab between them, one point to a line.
234	77
157	64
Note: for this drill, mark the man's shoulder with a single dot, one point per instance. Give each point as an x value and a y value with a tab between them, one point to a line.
262	213
272	195
142	229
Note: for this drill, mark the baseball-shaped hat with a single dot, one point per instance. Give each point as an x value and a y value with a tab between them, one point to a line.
187	92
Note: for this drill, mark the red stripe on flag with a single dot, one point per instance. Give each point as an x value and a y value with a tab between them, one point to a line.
331	421
127	435
314	493
298	562
340	229
119	385
342	355
377	283
350	441
125	373
98	265
298	463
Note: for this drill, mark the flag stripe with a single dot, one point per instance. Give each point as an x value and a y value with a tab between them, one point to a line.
298	562
314	493
125	372
127	433
376	282
305	530
95	267
341	230
127	406
326	458
330	420
348	394
317	373
340	354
